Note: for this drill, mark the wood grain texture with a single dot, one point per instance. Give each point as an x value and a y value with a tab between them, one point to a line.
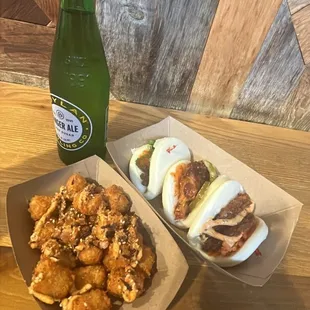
30	150
13	292
203	288
50	8
298	115
25	52
23	10
296	5
23	78
274	75
236	36
154	48
301	21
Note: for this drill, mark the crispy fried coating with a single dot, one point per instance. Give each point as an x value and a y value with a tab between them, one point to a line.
135	243
126	283
94	275
45	227
46	233
125	250
89	241
62	253
115	282
114	261
52	279
72	226
75	184
73	217
113	219
147	261
38	206
118	199
107	223
91	300
90	200
90	255
69	235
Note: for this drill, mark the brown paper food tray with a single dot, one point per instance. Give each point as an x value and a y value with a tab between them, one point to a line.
171	264
279	210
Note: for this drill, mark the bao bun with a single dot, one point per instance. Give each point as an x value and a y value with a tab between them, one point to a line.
226	191
169	198
167	151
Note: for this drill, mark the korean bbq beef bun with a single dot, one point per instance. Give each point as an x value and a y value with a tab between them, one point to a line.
225	230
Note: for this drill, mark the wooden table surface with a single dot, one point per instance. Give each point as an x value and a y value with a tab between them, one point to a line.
28	149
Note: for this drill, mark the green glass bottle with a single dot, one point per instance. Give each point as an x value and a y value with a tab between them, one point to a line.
79	83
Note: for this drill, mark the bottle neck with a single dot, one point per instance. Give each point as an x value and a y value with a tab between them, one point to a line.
81	5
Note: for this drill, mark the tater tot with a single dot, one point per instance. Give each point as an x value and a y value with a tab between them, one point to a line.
65	256
75	184
126	283
119	201
111	262
52	279
38	206
90	200
43	235
115	282
91	300
94	275
147	261
90	255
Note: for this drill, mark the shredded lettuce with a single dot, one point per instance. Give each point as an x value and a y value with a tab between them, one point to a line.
151	142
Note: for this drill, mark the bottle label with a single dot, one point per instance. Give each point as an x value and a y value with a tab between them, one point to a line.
73	126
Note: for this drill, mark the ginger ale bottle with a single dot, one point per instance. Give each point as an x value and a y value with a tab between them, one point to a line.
79	83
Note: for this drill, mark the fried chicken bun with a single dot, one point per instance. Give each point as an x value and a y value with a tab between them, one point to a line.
186	184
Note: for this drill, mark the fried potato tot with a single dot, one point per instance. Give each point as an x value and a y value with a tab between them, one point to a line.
94	275
63	254
91	247
111	261
75	184
46	233
90	200
125	250
38	206
107	223
126	283
147	261
52	279
118	199
111	218
69	235
72	226
92	300
90	255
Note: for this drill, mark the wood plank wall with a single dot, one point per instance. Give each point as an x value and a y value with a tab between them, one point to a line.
157	67
230	53
274	74
23	10
242	59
